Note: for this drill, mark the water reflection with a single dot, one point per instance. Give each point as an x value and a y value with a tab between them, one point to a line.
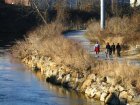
22	87
68	97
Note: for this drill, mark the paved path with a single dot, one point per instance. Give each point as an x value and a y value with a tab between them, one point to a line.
79	36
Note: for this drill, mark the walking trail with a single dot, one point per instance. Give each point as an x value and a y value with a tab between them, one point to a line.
79	36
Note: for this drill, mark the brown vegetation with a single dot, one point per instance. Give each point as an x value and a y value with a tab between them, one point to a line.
124	74
123	30
48	41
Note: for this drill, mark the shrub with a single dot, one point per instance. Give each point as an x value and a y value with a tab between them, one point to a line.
123	72
48	41
123	30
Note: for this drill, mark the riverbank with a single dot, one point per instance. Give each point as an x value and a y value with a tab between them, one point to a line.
98	87
19	86
64	62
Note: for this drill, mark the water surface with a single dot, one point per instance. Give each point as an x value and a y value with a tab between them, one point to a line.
19	86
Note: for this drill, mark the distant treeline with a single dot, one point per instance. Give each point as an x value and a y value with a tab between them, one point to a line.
83	14
75	13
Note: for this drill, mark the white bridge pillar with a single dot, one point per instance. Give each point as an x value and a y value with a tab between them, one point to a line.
102	14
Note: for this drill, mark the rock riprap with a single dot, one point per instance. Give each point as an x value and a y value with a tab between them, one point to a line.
105	89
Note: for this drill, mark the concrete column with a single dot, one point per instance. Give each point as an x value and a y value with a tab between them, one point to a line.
102	15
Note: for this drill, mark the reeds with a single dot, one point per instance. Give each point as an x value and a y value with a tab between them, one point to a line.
49	41
122	30
128	75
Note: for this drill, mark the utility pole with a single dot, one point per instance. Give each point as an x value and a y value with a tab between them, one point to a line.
77	4
102	15
70	3
112	5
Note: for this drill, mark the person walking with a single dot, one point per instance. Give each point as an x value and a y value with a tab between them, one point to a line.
118	48
113	48
108	50
97	48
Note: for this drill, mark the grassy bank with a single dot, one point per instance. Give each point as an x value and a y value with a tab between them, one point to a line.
48	41
124	30
122	73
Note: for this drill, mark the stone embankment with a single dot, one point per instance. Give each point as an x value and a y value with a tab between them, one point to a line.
105	89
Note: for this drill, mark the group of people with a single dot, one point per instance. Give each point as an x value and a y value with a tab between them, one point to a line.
110	49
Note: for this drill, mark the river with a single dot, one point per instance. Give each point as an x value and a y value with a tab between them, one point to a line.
20	86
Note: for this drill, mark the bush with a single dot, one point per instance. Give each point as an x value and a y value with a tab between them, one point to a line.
48	41
122	30
122	72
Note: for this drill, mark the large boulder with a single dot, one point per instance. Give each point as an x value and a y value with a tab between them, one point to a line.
123	95
86	84
103	96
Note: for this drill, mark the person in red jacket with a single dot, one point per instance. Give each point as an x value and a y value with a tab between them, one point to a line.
97	48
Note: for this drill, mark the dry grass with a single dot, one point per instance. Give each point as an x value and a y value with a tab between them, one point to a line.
93	31
127	74
48	41
123	30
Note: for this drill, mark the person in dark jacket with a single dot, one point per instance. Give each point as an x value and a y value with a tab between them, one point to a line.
118	48
108	50
113	48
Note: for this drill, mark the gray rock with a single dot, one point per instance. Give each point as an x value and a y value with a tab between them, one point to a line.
88	91
93	77
110	80
123	101
137	99
123	95
68	77
97	95
111	89
129	98
103	96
